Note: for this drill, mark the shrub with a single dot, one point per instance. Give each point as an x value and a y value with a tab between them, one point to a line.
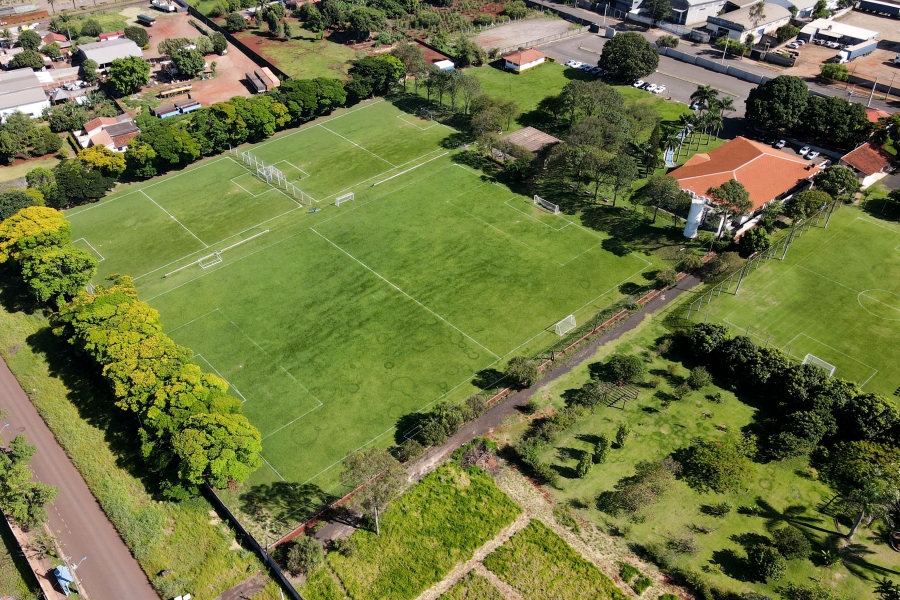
346	546
235	22
621	367
91	28
546	474
720	465
682	390
765	563
585	463
719	510
515	9
601	449
138	35
482	20
699	378
753	241
667	41
791	542
304	555
640	586
410	450
627	572
686	544
834	72
622	434
690	263
809	591
522	371
666	278
672	369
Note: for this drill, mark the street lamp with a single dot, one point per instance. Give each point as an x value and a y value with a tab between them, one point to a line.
75	567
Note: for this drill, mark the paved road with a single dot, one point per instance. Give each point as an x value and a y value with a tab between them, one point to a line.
110	572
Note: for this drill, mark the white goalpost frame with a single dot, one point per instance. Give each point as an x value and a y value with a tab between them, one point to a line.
344	198
565	325
554	208
812	359
426	114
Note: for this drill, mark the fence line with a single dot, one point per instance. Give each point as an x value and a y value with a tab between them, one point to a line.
268	173
544	40
778	250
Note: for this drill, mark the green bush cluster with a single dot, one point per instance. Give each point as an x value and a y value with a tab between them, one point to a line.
191	430
446	419
541	435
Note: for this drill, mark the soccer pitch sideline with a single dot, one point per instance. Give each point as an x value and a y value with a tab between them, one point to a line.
331	325
835	296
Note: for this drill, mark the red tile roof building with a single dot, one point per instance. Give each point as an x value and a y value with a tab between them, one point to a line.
867	159
519	60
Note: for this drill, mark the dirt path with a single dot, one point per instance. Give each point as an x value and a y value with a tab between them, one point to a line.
508	591
247	588
461	569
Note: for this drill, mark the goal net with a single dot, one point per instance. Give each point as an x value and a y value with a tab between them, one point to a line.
426	114
554	208
566	325
344	198
811	359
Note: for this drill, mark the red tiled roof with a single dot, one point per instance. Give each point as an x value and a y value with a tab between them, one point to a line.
522	57
101	139
868	159
123	139
99	122
765	172
873	114
53	37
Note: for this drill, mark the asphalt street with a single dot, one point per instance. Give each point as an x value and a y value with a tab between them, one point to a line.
110	572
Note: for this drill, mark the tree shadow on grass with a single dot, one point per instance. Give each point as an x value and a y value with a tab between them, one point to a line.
284	501
566	453
732	564
588	438
882	208
487	379
563	471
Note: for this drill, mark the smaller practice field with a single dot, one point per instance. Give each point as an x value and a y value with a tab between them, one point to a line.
836	296
520	33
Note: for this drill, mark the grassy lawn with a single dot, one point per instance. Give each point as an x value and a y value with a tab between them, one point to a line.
22	169
437	524
16	578
780	492
829	289
303	56
472	587
532	86
372	282
542	566
110	20
163	536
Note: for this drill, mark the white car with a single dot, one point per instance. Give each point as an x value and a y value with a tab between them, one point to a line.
659	89
569	63
804	151
811	155
793	45
651	88
638	83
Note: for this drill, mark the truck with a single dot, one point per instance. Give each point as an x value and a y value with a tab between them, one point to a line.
883	8
851	52
162	5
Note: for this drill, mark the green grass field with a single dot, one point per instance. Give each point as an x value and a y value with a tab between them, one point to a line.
333	325
472	587
304	56
834	285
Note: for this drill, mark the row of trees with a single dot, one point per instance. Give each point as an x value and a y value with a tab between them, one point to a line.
20	134
850	433
22	499
784	103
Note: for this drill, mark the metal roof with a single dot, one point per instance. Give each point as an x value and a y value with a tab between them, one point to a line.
741	17
836	28
20	87
109	50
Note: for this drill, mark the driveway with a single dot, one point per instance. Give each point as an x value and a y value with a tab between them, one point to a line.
110	572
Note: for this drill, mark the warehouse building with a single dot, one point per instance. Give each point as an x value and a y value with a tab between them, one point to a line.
21	90
103	53
738	24
834	31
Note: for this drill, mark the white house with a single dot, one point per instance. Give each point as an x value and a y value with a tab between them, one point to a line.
521	60
21	90
738	24
113	133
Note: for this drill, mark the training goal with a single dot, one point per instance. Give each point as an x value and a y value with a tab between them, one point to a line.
426	114
554	208
344	198
811	359
566	325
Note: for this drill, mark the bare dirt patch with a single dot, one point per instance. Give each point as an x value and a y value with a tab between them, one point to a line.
520	32
230	68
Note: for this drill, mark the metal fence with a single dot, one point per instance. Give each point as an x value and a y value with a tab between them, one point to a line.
544	40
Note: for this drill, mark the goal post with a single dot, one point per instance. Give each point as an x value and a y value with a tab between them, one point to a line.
811	359
565	326
426	114
343	198
554	208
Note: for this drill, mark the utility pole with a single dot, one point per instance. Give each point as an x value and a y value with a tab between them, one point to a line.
874	85
886	96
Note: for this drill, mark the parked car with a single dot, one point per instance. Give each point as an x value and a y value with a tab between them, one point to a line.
695	105
793	45
825	163
647	85
597	71
659	89
638	84
812	155
801	42
804	151
780	144
651	88
571	63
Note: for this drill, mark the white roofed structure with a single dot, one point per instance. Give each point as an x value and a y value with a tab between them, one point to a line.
21	90
103	53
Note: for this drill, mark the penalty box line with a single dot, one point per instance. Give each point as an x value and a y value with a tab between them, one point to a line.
205	245
396	287
859	362
357	145
81	239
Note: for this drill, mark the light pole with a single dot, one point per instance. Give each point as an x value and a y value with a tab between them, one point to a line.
75	567
4	427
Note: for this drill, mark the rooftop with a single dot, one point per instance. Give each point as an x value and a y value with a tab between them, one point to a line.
531	139
523	57
873	114
741	16
107	51
765	172
20	87
868	159
840	29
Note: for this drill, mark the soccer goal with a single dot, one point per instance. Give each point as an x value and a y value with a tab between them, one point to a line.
208	261
565	326
426	114
554	208
811	359
344	198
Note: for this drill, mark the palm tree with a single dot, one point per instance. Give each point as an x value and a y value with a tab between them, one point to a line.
715	119
725	104
669	139
704	96
686	122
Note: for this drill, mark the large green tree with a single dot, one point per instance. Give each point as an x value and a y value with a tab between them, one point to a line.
12	202
21	498
732	198
778	103
218	449
837	181
58	272
629	56
378	475
719	465
806	203
30	40
127	75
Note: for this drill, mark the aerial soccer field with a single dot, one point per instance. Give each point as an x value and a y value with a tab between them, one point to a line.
836	296
332	324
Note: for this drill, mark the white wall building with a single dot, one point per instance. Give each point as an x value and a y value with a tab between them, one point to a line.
522	60
21	90
738	24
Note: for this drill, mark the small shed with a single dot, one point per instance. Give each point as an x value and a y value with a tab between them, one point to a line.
165	111
445	65
64	578
521	60
531	139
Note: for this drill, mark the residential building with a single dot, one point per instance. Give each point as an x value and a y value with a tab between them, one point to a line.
835	31
21	90
870	163
738	24
103	53
521	60
694	12
113	133
766	173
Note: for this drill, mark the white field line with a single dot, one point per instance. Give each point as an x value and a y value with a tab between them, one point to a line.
863	293
859	362
91	247
232	180
532	217
357	145
433	123
101	204
410	169
174	219
396	287
307	126
231	385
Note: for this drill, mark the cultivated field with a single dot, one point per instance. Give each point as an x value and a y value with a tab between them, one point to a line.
834	284
332	325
